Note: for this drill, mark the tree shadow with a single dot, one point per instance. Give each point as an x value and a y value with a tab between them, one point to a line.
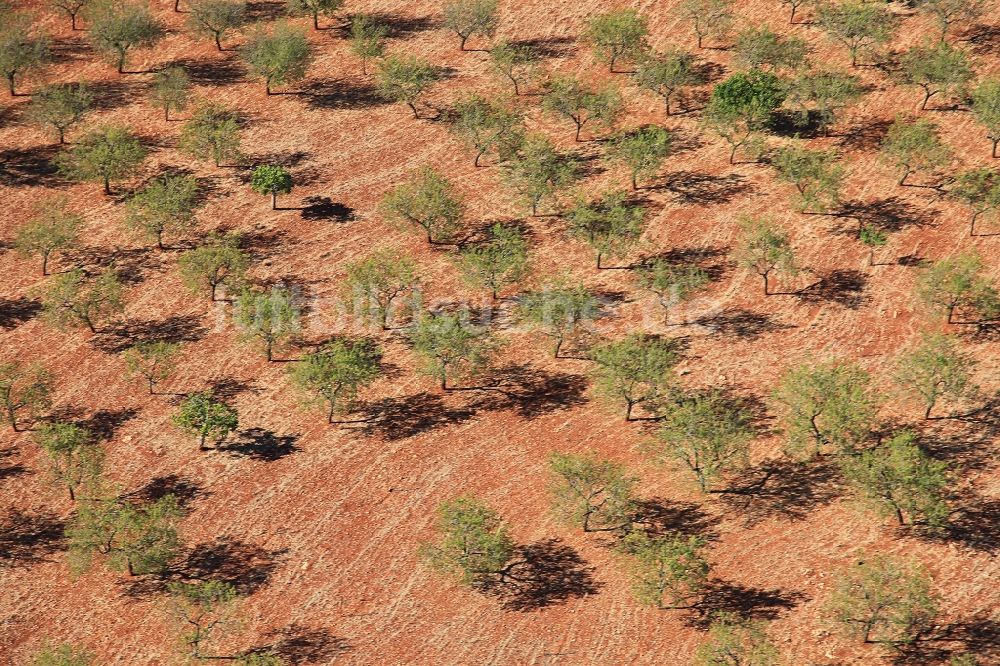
263	243
227	388
739	323
324	208
30	167
298	644
104	423
983	39
14	312
183	488
978	636
264	10
262	444
175	328
658	517
712	260
844	287
400	26
700	188
213	71
531	392
789	123
782	488
973	523
115	93
344	93
548	47
865	135
888	213
13	470
130	264
29	538
751	603
548	572
400	418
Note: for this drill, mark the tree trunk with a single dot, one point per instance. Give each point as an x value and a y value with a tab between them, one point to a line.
177	5
214	285
559	342
635	183
791	19
270	350
62	135
732	155
767	287
12	417
927	412
45	263
159	239
131	570
579	126
329	414
218	44
267	86
666	104
201	443
413	107
464	39
315	20
902	181
899	515
72	493
972	224
628	410
72	20
107	185
699	41
517	89
599	267
927	95
995	142
152	383
274	201
121	62
10	85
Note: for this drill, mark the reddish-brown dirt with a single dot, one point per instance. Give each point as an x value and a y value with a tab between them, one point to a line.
323	534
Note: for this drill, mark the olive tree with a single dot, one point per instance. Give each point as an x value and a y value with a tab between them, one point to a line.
857	25
898	479
218	262
672	283
116	27
516	62
474	545
213	132
103	155
280	56
70	8
75	459
153	360
642	150
913	146
883	599
936	368
826	407
202	416
948	12
24	390
141	539
569	97
538	171
979	189
70	299
765	249
452	346
334	373
666	74
762	48
986	108
21	50
591	493
166	205
367	39
816	175
668	571
558	311
64	654
872	238
471	17
372	285
271	179
403	79
428	201
741	106
794	6
53	228
617	34
936	69
272	317
611	225
822	94
706	432
60	105
314	9
202	610
638	369
169	90
733	641
708	18
214	18
488	126
956	284
499	261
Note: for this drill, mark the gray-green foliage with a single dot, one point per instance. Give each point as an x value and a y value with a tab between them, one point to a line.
763	48
742	106
153	360
667	74
25	392
617	34
897	478
403	79
986	109
859	26
367	39
471	17
334	373
765	249
516	62
60	105
638	369
372	285
883	599
948	12
103	155
314	9
70	8
734	641
667	571
213	132
21	48
271	317
166	205
488	126
115	27
957	284
169	90
451	346
706	432
75	458
538	171
913	146
72	299
138	538
499	261
816	175
429	201
822	93
53	228
64	655
220	261
202	611
936	69
936	368
474	544
642	150
979	189
671	282
708	18
215	18
569	97
611	225
280	56
203	416
592	493
826	407
559	311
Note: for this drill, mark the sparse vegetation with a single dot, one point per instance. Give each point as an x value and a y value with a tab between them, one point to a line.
428	201
61	105
467	18
103	156
280	56
335	373
403	79
203	416
54	228
166	205
591	493
668	571
636	370
71	299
